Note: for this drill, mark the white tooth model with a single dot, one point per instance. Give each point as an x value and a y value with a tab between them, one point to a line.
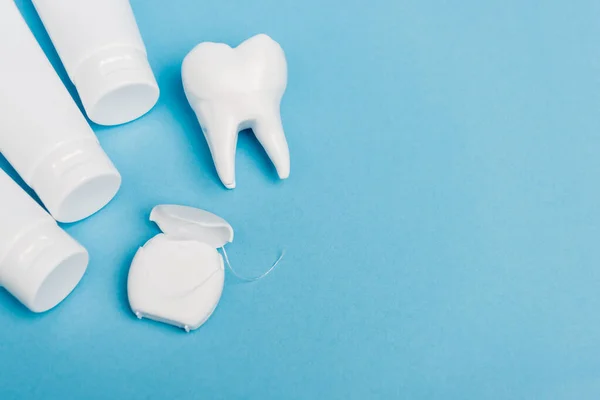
177	277
232	89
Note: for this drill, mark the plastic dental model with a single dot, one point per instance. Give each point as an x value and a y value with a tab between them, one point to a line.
40	264
42	132
231	89
177	276
101	48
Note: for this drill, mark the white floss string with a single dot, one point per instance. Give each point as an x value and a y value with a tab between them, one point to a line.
234	272
198	286
251	279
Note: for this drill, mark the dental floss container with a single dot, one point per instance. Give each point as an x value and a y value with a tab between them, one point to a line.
177	277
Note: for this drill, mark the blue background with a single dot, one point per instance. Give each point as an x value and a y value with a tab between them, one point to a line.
441	221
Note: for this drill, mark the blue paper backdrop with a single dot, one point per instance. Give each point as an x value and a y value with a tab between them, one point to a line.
441	221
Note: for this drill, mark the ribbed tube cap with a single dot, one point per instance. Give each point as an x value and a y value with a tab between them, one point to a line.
43	267
116	85
75	180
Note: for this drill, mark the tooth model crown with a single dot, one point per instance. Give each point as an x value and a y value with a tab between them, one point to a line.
232	89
